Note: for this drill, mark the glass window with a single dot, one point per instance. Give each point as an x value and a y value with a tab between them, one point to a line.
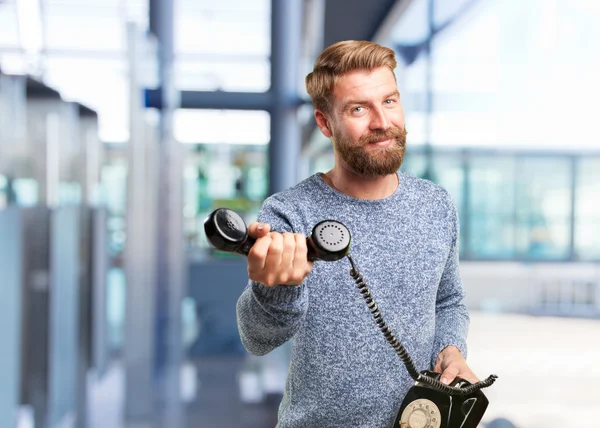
3	192
84	55
446	10
490	232
322	163
234	74
414	163
587	209
223	45
222	175
413	26
225	27
26	191
543	192
109	95
222	126
490	89
412	85
491	86
114	196
9	36
13	63
448	172
97	26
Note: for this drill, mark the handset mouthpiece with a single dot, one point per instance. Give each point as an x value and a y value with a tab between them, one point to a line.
330	240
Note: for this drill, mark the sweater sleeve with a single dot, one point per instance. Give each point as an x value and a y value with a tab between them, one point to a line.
452	317
268	317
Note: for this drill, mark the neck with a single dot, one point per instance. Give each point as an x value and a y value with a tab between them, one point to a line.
344	180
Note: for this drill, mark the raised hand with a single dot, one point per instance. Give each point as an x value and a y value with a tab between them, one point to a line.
277	258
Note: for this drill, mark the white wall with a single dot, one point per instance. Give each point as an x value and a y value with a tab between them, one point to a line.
511	286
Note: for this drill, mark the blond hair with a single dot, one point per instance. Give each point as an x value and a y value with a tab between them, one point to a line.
341	58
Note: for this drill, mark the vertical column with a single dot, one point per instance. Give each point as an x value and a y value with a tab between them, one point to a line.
574	163
11	266
171	258
13	122
284	149
429	172
139	257
465	221
63	308
53	155
90	157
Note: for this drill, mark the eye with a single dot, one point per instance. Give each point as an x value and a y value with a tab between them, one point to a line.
357	109
390	101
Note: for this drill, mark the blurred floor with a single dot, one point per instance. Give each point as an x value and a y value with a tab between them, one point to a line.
548	369
218	403
548	375
106	399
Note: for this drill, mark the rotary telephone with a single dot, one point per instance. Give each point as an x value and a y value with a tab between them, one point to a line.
429	403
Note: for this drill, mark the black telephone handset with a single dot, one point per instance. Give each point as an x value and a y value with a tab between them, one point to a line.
429	403
226	231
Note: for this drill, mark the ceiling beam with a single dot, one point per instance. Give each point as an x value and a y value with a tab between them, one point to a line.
354	19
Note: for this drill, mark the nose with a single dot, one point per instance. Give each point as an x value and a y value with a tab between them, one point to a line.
379	119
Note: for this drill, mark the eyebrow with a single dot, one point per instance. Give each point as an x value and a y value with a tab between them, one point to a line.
353	102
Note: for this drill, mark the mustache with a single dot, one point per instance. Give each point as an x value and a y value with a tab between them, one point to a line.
379	135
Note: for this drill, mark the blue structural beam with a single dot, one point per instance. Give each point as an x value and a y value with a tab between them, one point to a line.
354	19
286	43
217	100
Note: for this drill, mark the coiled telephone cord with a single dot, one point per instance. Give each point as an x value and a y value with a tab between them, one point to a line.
401	351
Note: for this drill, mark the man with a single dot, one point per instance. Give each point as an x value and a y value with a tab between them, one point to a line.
404	240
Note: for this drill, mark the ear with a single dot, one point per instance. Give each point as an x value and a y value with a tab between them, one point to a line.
323	123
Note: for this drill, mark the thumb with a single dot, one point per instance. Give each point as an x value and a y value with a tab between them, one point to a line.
258	230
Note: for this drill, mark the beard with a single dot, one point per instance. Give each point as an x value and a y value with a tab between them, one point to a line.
374	162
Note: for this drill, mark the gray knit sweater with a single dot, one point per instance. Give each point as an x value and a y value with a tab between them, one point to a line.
343	373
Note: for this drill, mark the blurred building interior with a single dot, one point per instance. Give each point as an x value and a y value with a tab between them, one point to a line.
124	123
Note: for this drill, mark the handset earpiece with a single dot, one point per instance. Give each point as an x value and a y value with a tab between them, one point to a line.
226	231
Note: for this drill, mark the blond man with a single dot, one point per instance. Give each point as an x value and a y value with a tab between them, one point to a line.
405	241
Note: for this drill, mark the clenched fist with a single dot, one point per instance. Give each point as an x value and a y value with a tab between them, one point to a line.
277	258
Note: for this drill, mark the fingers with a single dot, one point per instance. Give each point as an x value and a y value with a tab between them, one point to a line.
454	371
257	256
301	266
449	374
301	263
451	364
300	255
258	253
278	258
289	249
273	260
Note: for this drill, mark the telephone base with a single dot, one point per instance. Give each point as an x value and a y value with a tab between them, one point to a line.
425	407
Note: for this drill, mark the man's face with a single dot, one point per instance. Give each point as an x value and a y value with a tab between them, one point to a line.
367	122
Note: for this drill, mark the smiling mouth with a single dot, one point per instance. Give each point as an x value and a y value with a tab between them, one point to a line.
382	143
